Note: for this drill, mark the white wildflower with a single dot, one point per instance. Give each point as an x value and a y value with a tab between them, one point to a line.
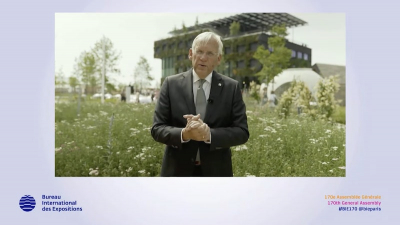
334	148
334	159
94	172
240	148
342	167
103	113
141	171
145	149
262	119
270	129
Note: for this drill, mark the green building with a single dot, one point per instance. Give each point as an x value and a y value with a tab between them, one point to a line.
238	61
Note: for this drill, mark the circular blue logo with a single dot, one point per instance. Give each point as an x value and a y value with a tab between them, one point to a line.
27	203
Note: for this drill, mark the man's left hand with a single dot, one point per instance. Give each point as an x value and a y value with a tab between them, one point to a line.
200	131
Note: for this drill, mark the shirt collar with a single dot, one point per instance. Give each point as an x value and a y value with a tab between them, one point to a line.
196	77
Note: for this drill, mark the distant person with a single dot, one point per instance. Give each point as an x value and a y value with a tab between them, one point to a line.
137	97
152	96
123	97
272	100
264	96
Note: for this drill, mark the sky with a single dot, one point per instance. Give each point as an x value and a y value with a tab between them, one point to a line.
134	34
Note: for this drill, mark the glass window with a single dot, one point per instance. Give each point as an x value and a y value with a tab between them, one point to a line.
240	64
241	48
254	63
228	50
299	55
305	56
293	53
271	49
254	46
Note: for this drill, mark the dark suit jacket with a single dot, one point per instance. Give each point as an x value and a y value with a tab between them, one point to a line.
225	115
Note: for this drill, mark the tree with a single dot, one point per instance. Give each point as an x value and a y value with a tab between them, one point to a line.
60	78
110	87
222	66
184	29
234	28
326	90
254	87
121	87
73	82
106	57
86	68
277	58
158	85
141	74
196	24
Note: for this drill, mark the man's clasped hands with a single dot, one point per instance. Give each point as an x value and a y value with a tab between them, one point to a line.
195	129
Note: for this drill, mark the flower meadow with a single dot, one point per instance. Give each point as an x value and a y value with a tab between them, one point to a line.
113	140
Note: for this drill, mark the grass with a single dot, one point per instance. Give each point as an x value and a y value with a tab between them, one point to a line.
339	115
297	146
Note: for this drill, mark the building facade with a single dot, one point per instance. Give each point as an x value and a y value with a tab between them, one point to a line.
238	61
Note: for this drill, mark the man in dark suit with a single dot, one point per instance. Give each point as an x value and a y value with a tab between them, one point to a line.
200	114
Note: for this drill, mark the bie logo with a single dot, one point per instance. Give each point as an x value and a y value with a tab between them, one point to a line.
27	203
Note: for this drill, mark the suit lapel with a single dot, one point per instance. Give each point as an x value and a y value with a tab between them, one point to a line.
187	87
215	93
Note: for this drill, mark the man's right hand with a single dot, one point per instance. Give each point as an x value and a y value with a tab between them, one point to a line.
195	129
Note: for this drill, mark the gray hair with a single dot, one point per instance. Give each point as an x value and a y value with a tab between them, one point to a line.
203	38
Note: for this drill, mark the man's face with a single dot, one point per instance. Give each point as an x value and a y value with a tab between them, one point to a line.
205	58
